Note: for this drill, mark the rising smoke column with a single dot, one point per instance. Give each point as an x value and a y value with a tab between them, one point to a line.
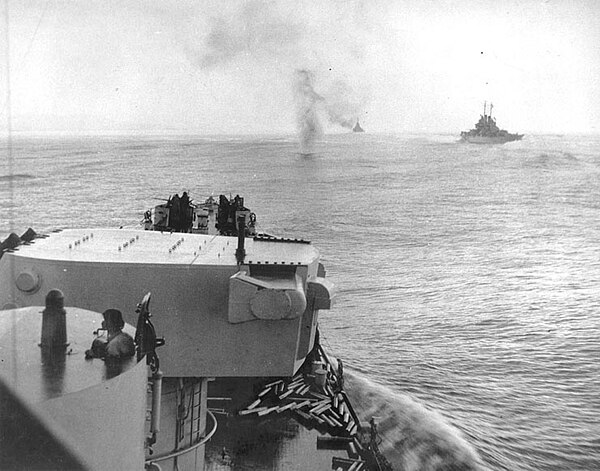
339	102
271	41
307	116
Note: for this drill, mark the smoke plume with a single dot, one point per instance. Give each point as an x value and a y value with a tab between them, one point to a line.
257	32
307	114
266	43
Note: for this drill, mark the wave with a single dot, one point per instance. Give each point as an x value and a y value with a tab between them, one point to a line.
16	177
413	438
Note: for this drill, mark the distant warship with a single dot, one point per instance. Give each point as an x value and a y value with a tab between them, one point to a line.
357	127
486	131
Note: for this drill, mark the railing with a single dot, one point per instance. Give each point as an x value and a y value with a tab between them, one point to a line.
183	451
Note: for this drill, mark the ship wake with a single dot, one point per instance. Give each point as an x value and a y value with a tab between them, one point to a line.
413	438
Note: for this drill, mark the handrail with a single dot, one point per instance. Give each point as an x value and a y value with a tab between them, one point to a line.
183	451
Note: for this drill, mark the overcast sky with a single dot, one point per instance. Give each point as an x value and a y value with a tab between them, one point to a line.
233	67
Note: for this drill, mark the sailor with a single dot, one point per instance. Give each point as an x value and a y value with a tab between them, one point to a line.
175	213
185	213
238	202
118	344
373	430
184	200
147	222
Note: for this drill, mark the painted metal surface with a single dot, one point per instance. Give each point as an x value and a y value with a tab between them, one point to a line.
129	246
95	409
189	277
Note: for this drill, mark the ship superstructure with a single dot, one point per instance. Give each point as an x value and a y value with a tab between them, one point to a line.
357	127
239	313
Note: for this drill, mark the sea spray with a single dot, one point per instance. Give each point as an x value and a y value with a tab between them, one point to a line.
307	116
413	438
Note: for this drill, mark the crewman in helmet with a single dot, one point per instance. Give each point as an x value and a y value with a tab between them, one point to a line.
117	344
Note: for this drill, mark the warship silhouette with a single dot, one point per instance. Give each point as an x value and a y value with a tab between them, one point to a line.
487	132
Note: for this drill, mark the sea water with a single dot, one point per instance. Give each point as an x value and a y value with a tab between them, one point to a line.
467	312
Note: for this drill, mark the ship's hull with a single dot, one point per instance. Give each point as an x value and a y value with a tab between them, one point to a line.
473	139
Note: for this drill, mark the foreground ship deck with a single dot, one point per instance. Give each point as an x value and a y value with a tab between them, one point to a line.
221	318
241	360
54	405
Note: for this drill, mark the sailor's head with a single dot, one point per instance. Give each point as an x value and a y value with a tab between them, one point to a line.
113	320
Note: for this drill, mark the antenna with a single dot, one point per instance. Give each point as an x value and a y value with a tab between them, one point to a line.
484	107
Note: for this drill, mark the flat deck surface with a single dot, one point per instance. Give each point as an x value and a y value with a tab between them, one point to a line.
152	247
37	377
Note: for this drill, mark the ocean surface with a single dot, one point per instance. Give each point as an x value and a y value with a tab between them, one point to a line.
468	305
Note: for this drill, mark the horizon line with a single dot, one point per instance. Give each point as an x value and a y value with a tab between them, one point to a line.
195	133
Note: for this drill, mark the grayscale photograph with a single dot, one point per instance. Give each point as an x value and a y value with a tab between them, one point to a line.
300	235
